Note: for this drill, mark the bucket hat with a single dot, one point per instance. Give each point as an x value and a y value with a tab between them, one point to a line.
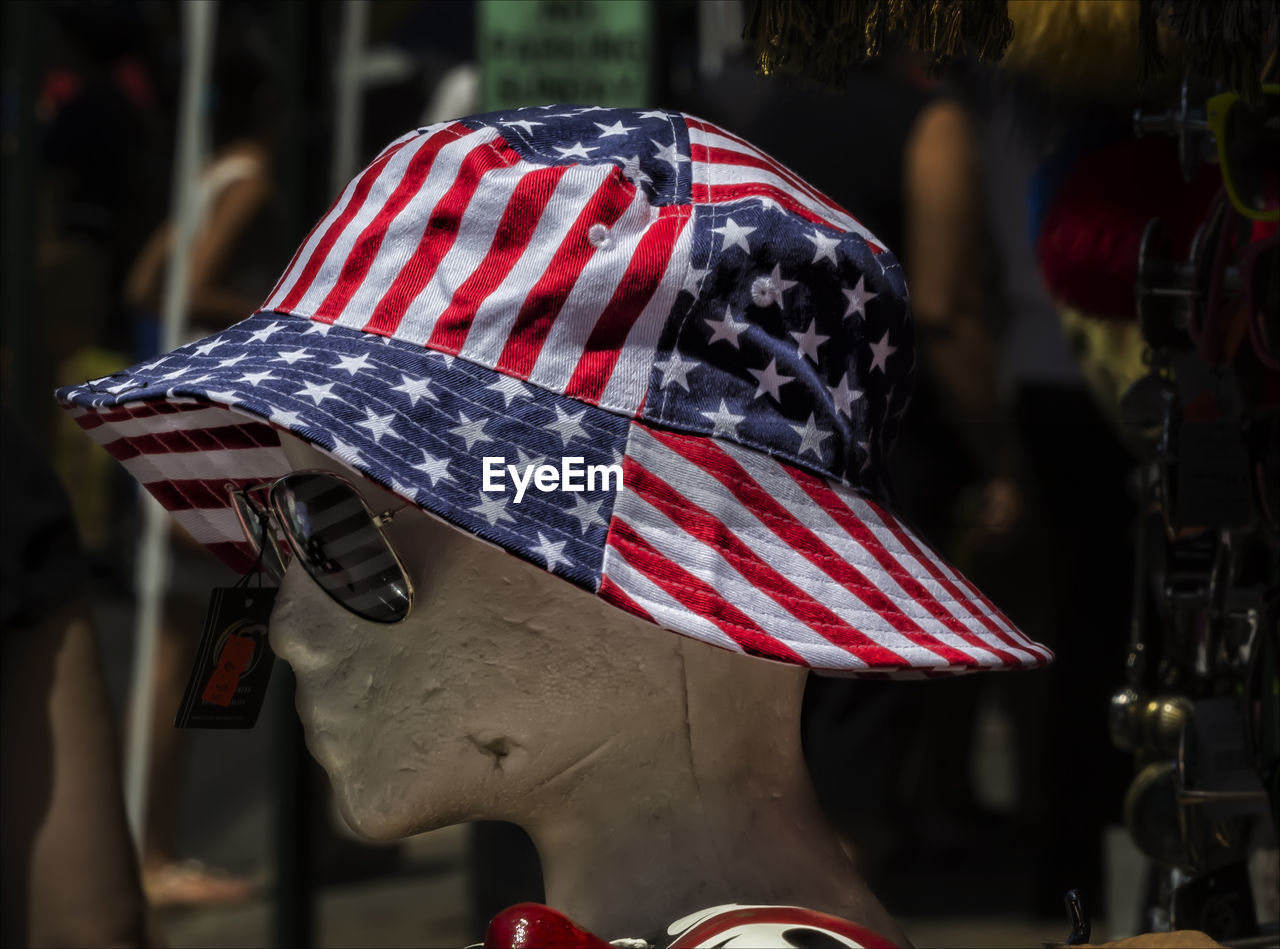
583	287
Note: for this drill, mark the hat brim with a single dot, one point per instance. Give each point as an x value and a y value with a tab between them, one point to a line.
709	539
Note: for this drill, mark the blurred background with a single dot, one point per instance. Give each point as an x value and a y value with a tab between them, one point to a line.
972	805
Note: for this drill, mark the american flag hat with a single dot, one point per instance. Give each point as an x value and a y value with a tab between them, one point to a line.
617	286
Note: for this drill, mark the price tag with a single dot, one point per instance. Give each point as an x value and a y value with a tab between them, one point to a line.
233	664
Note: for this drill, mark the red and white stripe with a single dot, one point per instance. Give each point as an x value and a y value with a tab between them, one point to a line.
186	453
451	241
734	924
803	570
727	168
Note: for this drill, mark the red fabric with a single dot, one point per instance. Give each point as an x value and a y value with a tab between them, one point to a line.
1088	243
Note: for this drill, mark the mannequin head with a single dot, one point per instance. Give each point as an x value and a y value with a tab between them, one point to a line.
506	689
656	774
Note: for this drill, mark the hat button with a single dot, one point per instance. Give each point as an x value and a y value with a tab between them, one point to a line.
765	292
599	236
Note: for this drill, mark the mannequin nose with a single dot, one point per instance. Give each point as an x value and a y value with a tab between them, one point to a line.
305	622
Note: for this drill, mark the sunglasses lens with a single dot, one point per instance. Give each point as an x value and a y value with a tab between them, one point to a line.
256	527
1252	144
333	534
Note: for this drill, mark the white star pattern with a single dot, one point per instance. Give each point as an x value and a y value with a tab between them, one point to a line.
494	510
470	430
858	299
824	248
734	235
230	398
348	453
321	328
587	513
635	174
811	436
528	459
232	360
654	114
844	396
880	353
524	124
415	389
509	387
286	419
693	281
668	153
292	356
353	364
437	469
727	328
207	348
567	426
253	378
264	334
316	392
577	150
553	554
676	370
404	490
725	422
810	340
616	128
377	425
769	380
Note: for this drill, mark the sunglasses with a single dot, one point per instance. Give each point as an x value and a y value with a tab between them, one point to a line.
322	519
1248	141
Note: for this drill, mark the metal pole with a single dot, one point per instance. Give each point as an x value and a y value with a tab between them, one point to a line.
349	81
198	27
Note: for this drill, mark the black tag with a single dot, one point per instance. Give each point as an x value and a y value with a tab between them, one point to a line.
233	665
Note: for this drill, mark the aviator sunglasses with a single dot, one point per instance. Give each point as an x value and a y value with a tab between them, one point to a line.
322	519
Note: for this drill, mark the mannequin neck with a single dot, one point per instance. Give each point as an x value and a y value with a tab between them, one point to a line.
719	809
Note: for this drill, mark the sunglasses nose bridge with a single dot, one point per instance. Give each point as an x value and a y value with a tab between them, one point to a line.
259	524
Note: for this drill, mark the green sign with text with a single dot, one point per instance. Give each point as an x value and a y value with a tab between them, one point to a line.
535	52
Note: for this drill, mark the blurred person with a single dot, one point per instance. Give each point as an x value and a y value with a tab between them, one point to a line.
232	263
232	255
68	870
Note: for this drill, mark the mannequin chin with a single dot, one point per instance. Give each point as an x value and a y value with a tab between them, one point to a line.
657	775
